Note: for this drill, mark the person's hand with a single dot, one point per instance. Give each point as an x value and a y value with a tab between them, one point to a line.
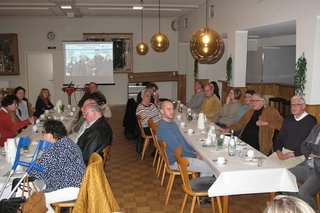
31	120
224	131
261	123
285	156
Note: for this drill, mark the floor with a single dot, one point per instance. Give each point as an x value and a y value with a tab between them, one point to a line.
137	188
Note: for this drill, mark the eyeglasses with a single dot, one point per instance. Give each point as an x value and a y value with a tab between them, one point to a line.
295	105
248	96
255	101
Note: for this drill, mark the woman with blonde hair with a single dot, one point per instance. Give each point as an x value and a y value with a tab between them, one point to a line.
43	102
287	204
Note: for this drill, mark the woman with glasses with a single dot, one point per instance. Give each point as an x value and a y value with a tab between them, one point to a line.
9	122
63	164
43	102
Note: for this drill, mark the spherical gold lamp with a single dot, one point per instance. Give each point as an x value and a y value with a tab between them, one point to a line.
159	42
206	46
142	48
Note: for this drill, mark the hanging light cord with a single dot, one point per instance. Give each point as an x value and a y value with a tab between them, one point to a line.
159	16
142	20
206	13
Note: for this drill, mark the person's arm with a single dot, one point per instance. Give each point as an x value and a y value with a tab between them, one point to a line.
306	147
271	118
241	123
16	126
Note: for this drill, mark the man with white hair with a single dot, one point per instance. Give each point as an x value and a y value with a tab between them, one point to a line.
294	130
98	133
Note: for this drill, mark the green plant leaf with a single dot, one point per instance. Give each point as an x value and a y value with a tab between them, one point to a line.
300	76
229	69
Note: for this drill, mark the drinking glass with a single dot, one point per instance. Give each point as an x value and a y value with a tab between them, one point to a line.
220	142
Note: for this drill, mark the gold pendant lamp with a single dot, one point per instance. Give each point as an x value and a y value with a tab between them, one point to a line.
159	41
206	45
142	48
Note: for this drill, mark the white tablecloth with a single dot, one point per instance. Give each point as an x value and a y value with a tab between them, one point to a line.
238	176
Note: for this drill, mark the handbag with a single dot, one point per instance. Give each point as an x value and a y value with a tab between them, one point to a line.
36	202
11	205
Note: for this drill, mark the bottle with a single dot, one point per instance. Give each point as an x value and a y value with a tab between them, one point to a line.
232	145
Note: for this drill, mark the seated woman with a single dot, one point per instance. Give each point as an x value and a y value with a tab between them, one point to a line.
148	110
216	89
229	111
1	98
22	111
63	164
9	123
43	102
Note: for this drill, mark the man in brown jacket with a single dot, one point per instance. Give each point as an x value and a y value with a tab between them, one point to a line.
257	125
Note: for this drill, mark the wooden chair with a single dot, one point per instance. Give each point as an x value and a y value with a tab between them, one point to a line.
196	187
106	155
286	108
157	158
167	169
318	201
276	102
143	135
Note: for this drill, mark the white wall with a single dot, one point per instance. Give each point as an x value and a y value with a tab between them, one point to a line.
234	15
32	37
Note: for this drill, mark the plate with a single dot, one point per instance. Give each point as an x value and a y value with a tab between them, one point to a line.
250	160
225	162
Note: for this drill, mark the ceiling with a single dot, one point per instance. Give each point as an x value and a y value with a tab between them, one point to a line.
123	8
81	8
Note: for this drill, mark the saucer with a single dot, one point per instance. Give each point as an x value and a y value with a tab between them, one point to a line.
225	162
250	159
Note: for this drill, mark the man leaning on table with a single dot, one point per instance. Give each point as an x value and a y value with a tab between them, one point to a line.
294	130
97	135
169	132
308	172
257	125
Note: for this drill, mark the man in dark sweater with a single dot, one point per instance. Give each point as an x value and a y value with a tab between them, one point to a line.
294	130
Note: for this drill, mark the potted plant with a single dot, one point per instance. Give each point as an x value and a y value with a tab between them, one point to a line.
229	70
300	76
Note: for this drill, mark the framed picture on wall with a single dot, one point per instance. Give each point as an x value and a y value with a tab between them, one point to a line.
9	56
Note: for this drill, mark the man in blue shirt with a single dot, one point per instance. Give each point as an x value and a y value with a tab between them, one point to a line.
169	132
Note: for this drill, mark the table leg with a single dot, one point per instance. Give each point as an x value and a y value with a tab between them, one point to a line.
225	204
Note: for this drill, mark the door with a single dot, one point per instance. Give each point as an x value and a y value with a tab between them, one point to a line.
39	74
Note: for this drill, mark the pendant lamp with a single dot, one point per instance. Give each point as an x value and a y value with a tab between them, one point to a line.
206	45
142	48
159	41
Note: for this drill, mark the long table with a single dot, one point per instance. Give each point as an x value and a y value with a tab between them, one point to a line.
238	176
5	166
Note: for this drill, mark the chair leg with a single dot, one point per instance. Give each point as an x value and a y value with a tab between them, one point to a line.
183	203
160	166
169	187
145	146
212	205
219	204
155	157
318	201
57	209
194	198
225	204
163	174
70	210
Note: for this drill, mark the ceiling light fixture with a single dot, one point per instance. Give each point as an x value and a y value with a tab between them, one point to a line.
66	7
206	45
159	41
142	48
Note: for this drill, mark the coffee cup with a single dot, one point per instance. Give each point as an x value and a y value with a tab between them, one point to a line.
71	113
46	112
221	160
34	128
250	153
61	118
190	131
182	124
178	117
188	109
37	121
73	109
69	106
42	117
55	118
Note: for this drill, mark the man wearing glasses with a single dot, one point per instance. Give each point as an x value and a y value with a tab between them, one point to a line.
211	105
257	125
294	130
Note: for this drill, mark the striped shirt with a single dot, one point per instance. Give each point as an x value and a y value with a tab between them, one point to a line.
150	111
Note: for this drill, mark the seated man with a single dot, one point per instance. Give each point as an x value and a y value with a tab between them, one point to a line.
97	135
257	125
308	172
247	98
169	132
294	130
197	98
211	105
148	110
230	109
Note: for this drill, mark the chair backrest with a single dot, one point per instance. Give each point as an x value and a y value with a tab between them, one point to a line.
139	119
183	163
95	194
276	102
106	151
153	129
163	153
286	108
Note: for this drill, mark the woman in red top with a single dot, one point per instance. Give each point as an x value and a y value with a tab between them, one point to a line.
9	123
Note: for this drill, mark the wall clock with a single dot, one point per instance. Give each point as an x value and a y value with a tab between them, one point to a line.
51	35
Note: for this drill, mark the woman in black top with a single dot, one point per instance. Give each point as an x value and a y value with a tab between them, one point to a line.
43	102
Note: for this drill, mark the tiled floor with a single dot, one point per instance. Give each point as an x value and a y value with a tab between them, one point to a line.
137	188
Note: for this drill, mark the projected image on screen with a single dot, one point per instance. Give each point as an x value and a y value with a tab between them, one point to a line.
88	61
